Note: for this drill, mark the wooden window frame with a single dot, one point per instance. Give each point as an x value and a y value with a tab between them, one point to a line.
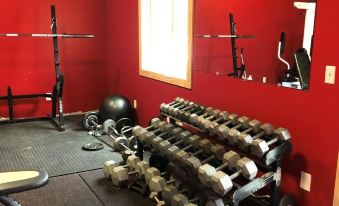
160	77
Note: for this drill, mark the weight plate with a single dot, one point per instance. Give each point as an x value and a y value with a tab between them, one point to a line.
287	200
87	121
107	125
93	146
124	122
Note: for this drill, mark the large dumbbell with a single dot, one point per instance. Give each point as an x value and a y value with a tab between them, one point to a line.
245	140
152	172
222	183
224	130
120	174
234	133
259	147
213	128
131	163
180	199
206	123
164	106
90	121
206	171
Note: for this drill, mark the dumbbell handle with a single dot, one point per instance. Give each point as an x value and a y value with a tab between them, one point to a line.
210	158
258	135
194	199
235	175
223	166
272	141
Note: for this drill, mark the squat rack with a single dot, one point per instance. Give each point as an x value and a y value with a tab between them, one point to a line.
57	114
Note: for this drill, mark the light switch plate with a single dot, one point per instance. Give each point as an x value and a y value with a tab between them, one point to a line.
135	104
330	75
305	181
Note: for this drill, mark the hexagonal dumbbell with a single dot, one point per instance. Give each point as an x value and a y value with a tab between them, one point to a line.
193	141
233	134
206	171
245	140
216	152
169	110
197	110
152	172
169	191
193	119
131	163
181	138
180	199
176	111
164	107
214	128
200	120
157	183
154	196
222	183
222	116
223	131
259	147
120	174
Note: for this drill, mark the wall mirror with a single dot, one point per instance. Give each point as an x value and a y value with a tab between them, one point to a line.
263	41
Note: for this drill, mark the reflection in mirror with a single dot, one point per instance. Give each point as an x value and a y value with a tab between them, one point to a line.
265	41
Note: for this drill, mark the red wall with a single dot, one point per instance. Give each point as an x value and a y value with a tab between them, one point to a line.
27	64
310	116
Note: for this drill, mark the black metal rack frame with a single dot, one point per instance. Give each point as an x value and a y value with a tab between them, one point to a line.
270	164
57	115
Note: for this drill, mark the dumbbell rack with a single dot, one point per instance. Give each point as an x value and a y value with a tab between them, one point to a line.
270	164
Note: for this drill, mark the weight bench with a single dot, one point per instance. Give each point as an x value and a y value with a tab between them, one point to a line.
20	181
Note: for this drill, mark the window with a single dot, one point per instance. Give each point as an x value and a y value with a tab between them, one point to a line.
165	34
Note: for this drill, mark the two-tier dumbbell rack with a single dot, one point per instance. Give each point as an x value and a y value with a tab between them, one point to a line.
270	164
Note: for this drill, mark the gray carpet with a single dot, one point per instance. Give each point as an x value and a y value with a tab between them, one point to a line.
39	146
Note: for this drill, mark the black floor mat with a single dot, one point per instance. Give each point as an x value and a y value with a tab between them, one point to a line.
60	191
39	146
110	195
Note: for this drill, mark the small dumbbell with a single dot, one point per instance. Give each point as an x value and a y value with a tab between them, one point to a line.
182	138
222	183
198	110
181	113
183	107
131	163
169	191
154	196
223	130
213	128
152	172
157	183
259	147
170	109
245	140
194	163
173	150
193	119
164	106
234	133
200	120
121	174
180	199
206	171
222	116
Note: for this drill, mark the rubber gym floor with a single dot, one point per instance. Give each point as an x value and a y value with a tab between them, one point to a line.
76	176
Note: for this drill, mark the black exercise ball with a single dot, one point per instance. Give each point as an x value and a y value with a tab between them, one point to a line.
116	107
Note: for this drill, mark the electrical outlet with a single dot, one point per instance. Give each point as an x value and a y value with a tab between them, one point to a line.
305	181
135	104
330	75
48	98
